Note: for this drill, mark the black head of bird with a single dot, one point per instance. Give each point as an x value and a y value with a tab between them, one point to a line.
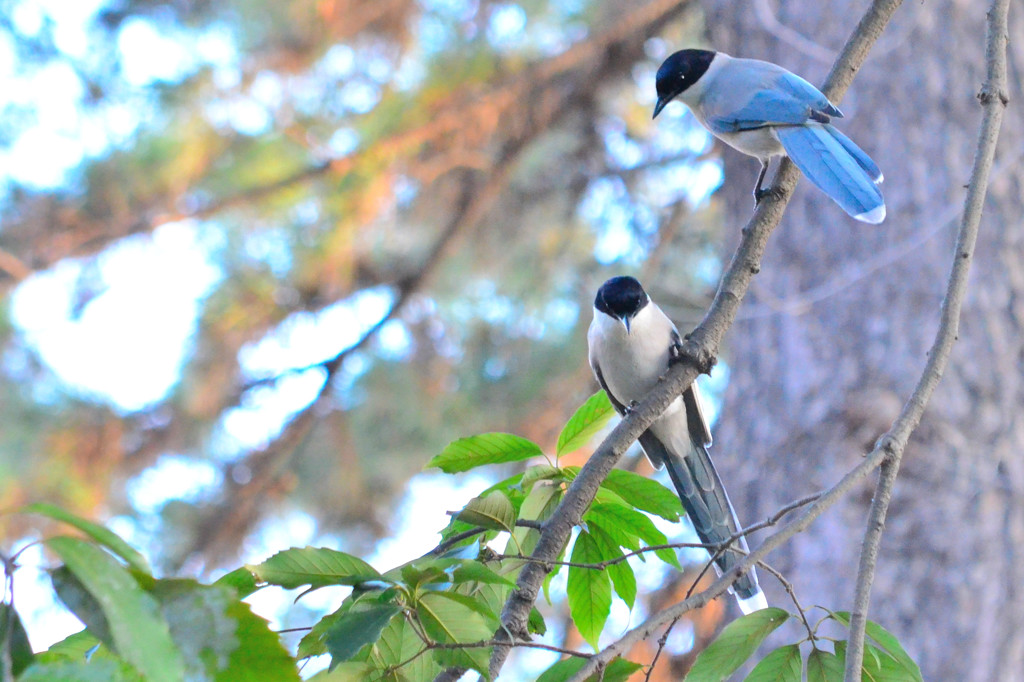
621	298
677	73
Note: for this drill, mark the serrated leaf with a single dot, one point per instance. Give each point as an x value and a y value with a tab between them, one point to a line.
448	621
537	506
399	644
644	494
735	644
487	448
138	632
312	643
510	486
539	472
78	646
617	532
100	534
489	615
493	511
621	573
588	420
879	666
888	642
637	524
357	628
19	651
313	566
782	665
823	666
260	656
589	590
474	571
618	670
200	626
241	580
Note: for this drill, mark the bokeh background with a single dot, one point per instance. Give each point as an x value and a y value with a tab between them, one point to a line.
260	260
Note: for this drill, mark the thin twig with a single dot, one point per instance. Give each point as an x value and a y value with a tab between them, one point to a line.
662	641
993	98
788	586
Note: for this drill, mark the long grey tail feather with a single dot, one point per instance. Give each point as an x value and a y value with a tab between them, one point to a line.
707	504
837	167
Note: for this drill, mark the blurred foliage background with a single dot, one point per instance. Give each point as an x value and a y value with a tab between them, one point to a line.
260	260
385	222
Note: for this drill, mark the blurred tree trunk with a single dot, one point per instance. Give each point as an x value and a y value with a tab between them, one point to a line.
833	337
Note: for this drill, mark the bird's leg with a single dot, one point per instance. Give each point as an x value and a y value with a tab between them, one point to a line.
759	193
675	351
627	409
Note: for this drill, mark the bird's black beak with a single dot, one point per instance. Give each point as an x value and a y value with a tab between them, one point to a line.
625	323
662	101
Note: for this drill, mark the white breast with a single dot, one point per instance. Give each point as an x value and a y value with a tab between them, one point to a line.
631	364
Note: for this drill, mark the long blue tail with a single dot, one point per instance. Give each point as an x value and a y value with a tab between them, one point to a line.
837	167
706	503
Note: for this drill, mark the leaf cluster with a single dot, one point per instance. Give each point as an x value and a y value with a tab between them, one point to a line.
411	622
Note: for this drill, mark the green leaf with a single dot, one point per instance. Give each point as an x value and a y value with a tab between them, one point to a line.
96	670
536	624
399	643
474	571
487	448
424	572
537	506
313	566
588	420
887	641
823	666
621	573
634	523
350	671
12	632
73	647
781	665
494	511
736	643
138	632
313	642
644	494
618	670
102	535
613	527
357	628
448	621
510	486
199	624
77	598
260	656
540	472
589	590
879	666
241	580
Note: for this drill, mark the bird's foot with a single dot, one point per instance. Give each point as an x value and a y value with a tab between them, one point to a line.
628	409
761	194
675	352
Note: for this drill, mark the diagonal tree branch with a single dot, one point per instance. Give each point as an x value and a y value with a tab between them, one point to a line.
993	98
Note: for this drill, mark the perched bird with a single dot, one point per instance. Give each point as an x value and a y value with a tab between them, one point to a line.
632	343
763	110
